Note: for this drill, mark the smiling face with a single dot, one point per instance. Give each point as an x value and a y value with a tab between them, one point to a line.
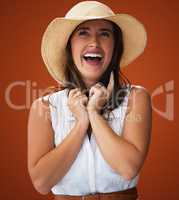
92	45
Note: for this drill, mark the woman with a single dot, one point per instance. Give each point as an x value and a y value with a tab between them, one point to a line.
89	140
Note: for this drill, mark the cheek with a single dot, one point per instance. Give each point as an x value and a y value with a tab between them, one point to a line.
75	50
109	50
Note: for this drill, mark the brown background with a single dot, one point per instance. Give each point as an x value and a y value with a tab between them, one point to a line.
22	25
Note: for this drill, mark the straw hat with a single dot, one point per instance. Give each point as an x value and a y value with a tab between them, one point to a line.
56	36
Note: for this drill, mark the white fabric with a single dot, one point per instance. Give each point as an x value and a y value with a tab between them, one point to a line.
89	173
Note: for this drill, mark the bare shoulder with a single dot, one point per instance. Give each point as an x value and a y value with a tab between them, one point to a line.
40	107
140	92
139	100
42	102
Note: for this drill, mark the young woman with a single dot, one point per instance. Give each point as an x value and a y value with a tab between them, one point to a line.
89	140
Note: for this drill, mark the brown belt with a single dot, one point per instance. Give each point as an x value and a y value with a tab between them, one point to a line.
130	194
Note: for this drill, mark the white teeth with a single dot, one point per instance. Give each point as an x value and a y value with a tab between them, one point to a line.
93	55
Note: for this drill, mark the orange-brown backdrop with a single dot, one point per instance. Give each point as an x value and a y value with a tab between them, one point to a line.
23	75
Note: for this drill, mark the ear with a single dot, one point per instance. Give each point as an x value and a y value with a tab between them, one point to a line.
111	83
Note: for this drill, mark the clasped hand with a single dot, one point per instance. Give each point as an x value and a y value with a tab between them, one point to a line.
80	104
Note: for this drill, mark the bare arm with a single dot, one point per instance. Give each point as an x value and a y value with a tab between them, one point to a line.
46	164
126	153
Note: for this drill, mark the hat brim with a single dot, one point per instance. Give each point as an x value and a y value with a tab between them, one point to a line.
56	36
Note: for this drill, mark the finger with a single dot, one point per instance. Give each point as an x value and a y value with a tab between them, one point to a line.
99	84
111	83
77	94
101	87
95	92
91	91
72	92
84	100
81	101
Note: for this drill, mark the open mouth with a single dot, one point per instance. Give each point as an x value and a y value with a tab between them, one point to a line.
93	58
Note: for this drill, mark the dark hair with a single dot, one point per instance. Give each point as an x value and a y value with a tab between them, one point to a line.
73	78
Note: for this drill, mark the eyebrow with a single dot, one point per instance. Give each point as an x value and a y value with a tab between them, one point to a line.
102	29
106	29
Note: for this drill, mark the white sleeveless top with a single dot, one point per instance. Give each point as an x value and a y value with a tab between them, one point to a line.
89	173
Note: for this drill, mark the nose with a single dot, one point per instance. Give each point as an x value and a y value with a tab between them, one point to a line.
94	42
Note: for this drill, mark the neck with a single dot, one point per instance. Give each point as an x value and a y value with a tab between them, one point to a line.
89	83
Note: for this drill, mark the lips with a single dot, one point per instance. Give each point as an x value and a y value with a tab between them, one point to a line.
93	57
